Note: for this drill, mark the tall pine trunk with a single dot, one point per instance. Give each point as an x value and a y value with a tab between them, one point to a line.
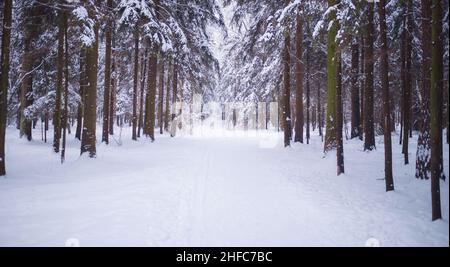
167	105
339	118
330	131
286	86
175	90
65	119
407	88
88	141
141	97
423	155
308	96
135	82
4	78
369	132
362	84
151	95
161	96
82	79
107	91
435	94
112	99
59	82
299	81
355	106
319	110
384	73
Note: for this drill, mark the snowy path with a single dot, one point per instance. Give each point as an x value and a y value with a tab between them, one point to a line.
218	191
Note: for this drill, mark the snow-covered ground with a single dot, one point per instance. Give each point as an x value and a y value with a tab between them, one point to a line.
221	189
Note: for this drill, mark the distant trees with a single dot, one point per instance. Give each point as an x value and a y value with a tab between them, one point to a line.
141	58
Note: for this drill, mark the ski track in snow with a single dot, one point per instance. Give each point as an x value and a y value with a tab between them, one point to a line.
213	191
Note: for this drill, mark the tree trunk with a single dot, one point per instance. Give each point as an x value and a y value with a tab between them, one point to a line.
369	132
319	110
141	98
107	93
112	103
82	79
362	80
4	78
59	82
175	90
167	108
384	73
339	118
356	112
308	97
88	141
161	96
151	95
436	77
26	89
299	81
135	82
407	89
440	44
330	132
65	114
423	141
286	86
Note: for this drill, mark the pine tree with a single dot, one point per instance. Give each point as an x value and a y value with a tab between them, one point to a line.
319	110
174	89
59	82
161	96
330	132
112	99
435	93
299	79
88	141
369	132
135	82
355	106
4	78
31	13
167	98
384	73
82	79
407	82
339	118
65	113
141	97
107	85
151	94
308	97
423	142
286	86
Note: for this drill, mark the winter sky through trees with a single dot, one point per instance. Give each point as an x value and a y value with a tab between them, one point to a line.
224	123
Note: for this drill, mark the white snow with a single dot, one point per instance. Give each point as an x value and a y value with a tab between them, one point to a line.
213	189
